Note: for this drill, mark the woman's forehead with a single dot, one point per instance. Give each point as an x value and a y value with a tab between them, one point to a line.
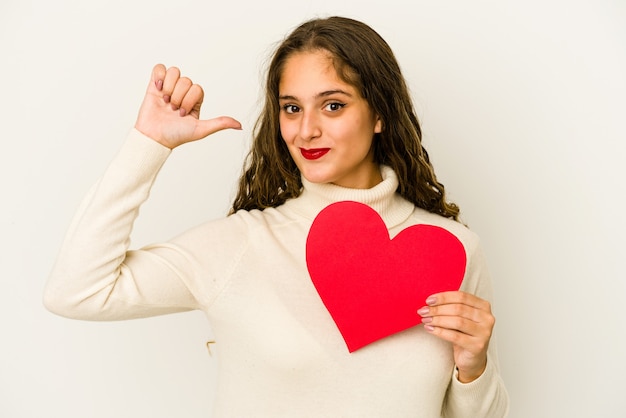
312	74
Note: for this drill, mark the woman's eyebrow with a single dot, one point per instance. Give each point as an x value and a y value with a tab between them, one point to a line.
331	92
287	97
318	95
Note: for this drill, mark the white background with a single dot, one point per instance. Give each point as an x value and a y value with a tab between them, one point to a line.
523	105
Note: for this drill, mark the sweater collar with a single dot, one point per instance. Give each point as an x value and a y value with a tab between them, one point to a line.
391	207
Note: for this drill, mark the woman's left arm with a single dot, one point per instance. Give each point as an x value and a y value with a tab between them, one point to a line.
465	319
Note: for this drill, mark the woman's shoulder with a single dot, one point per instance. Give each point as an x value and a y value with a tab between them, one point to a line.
468	237
263	218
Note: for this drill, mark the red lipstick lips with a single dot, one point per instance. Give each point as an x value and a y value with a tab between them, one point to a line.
314	153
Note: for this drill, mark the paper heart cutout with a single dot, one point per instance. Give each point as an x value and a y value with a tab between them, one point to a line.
370	284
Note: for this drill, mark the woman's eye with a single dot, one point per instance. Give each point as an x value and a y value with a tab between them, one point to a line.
291	108
335	106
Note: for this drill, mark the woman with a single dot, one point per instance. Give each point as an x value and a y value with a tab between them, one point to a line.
338	124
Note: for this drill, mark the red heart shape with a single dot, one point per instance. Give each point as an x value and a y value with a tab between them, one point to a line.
372	285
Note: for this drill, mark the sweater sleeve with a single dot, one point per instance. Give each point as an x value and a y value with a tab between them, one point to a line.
485	397
95	277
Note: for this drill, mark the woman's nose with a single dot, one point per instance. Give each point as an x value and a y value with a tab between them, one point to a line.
310	126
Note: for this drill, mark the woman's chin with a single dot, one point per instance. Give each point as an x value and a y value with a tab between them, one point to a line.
317	179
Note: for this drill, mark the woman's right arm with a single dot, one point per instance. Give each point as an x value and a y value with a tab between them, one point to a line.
96	276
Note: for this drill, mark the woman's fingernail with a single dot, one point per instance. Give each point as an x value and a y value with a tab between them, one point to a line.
159	85
183	112
166	98
431	300
427	320
429	328
423	311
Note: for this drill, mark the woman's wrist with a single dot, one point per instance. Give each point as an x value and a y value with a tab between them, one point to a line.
468	376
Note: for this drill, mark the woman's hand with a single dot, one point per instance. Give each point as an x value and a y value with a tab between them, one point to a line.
170	112
466	321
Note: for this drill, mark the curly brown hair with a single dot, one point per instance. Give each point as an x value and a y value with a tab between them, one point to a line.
364	60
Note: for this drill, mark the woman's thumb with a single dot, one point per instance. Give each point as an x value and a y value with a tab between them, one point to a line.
210	126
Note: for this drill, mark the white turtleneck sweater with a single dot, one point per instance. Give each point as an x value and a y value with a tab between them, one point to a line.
281	354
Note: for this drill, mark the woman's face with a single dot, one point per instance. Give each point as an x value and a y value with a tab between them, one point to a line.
326	124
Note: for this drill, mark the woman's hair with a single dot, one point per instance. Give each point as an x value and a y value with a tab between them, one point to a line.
364	60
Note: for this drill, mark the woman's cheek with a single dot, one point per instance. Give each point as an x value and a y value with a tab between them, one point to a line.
287	132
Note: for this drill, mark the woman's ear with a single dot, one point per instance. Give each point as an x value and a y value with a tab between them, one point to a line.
378	128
